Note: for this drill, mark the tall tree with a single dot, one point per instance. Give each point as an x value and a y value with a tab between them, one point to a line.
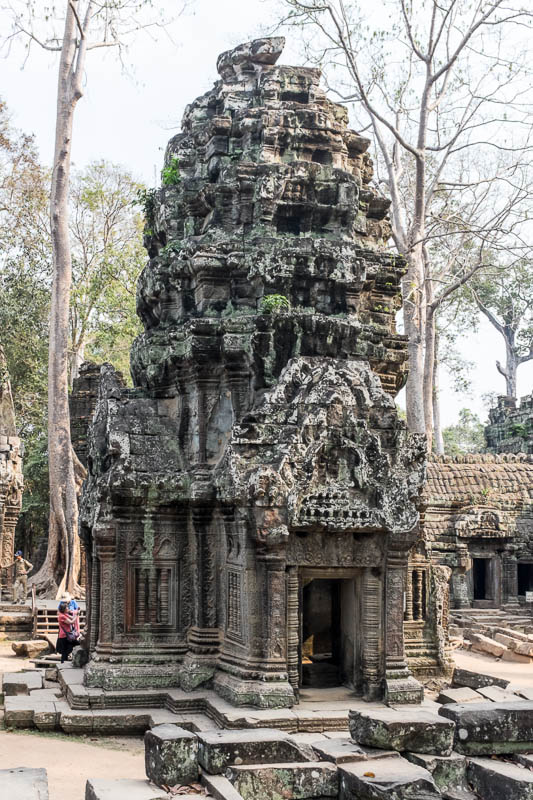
108	255
439	90
505	297
83	26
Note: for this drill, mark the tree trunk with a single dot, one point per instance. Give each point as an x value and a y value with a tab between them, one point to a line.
61	567
437	429
512	361
413	329
429	365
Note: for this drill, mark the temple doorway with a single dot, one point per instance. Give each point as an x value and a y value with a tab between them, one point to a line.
328	631
480	577
525	578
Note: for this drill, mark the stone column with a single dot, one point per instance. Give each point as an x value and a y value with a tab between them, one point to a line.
106	551
418	592
372	654
203	636
400	686
408	616
509	578
293	629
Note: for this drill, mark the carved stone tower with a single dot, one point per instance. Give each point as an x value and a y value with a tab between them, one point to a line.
10	471
251	502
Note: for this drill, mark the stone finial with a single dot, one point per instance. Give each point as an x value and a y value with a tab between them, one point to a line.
250	56
7	411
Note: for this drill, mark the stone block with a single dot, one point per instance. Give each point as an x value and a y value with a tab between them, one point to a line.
497	694
219	787
524	649
308	781
218	750
18	712
474	680
23	783
416	730
484	644
171	755
31	649
460	695
495	780
492	728
526	693
385	778
508	641
14	683
449	772
511	655
339	751
126	789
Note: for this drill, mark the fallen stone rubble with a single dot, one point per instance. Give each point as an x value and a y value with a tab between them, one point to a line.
475	742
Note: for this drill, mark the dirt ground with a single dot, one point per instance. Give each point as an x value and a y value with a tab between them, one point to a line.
68	760
518	674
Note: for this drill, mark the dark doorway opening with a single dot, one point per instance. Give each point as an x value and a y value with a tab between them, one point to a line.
321	633
328	632
525	578
322	157
480	570
294	97
289	224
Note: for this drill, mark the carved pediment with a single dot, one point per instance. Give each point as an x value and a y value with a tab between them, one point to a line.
327	451
485	523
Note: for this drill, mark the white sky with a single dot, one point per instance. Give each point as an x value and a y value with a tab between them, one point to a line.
129	119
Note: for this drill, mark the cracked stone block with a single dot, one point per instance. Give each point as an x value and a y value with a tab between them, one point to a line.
171	755
475	680
385	778
218	750
126	789
460	695
285	781
416	730
494	780
24	783
491	728
449	772
14	683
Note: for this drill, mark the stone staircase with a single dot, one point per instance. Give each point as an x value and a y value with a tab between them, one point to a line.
483	620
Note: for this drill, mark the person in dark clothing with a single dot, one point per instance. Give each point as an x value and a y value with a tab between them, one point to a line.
66	640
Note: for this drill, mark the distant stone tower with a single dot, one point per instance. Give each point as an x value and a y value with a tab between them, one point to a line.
10	471
251	501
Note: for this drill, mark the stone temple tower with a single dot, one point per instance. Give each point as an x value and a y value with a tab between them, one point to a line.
251	501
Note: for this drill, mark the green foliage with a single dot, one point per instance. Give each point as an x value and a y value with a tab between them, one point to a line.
170	175
274	303
520	429
146	199
108	255
466	436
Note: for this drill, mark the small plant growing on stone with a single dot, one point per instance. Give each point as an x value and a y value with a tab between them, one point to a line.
170	175
274	303
146	199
